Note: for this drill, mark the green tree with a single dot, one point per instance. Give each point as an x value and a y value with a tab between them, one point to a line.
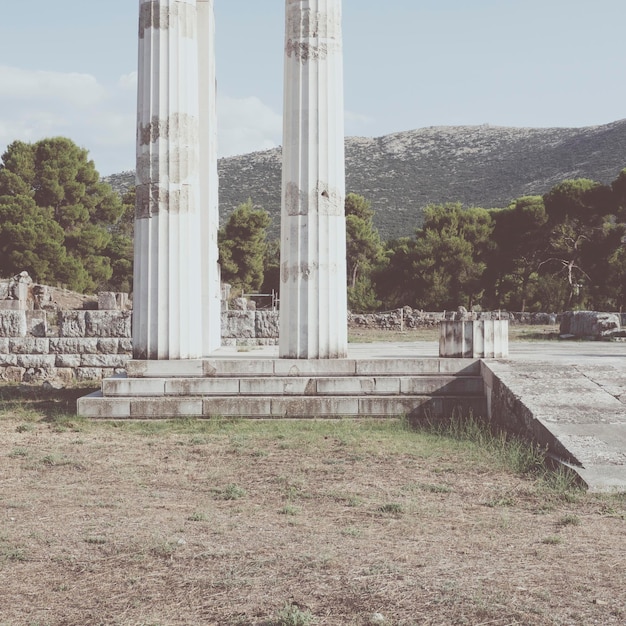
242	245
583	233
364	252
450	256
520	244
65	188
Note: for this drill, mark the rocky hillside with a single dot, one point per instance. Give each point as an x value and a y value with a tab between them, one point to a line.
402	173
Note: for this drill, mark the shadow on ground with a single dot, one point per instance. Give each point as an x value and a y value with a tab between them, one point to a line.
41	399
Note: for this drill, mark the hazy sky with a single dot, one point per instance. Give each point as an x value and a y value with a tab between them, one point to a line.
68	68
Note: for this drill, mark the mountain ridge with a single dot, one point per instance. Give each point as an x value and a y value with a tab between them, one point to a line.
403	172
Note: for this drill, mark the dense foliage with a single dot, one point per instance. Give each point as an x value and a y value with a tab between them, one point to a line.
56	216
563	250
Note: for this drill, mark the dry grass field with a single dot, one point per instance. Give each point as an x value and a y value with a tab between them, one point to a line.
293	524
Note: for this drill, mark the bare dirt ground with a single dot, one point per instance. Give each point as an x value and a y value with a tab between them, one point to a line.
227	523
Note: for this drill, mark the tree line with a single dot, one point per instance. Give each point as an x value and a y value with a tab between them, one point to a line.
563	250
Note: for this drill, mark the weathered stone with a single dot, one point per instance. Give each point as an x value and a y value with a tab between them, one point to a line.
108	324
8	359
12	374
108	346
107	301
67	360
74	346
72	323
65	376
238	324
36	361
591	324
125	346
4	345
103	360
13	324
37	323
266	324
88	373
29	345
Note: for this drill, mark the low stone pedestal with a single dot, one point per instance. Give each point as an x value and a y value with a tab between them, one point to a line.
474	339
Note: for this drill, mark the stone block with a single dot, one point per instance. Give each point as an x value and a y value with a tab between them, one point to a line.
474	339
103	360
67	360
107	301
397	367
590	324
121	387
315	367
237	367
12	374
201	386
95	406
4	345
108	346
36	361
239	324
359	385
237	407
185	368
278	386
8	359
74	346
37	323
29	345
165	407
315	407
13	324
72	323
125	346
88	373
64	375
108	324
266	324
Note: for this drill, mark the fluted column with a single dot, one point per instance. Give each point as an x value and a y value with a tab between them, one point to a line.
313	307
176	278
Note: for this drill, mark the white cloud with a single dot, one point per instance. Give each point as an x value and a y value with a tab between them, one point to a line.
246	125
101	118
80	90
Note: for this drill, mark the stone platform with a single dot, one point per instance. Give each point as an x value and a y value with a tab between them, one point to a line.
567	396
258	385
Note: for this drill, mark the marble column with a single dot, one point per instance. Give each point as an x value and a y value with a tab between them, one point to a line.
176	295
313	306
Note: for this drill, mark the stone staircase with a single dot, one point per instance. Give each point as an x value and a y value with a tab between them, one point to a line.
284	388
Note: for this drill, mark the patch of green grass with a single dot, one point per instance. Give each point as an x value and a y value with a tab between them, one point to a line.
552	540
17	453
231	492
289	509
292	615
96	540
394	509
197	516
502	501
569	520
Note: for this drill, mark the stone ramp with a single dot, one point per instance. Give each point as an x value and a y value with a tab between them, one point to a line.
279	388
574	407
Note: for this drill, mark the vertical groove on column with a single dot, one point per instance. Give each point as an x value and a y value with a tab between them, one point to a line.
313	251
174	223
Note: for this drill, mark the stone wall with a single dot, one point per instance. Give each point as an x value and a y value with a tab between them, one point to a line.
407	318
65	346
39	345
69	346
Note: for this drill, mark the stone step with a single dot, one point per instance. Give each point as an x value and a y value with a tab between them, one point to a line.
304	385
273	407
237	367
